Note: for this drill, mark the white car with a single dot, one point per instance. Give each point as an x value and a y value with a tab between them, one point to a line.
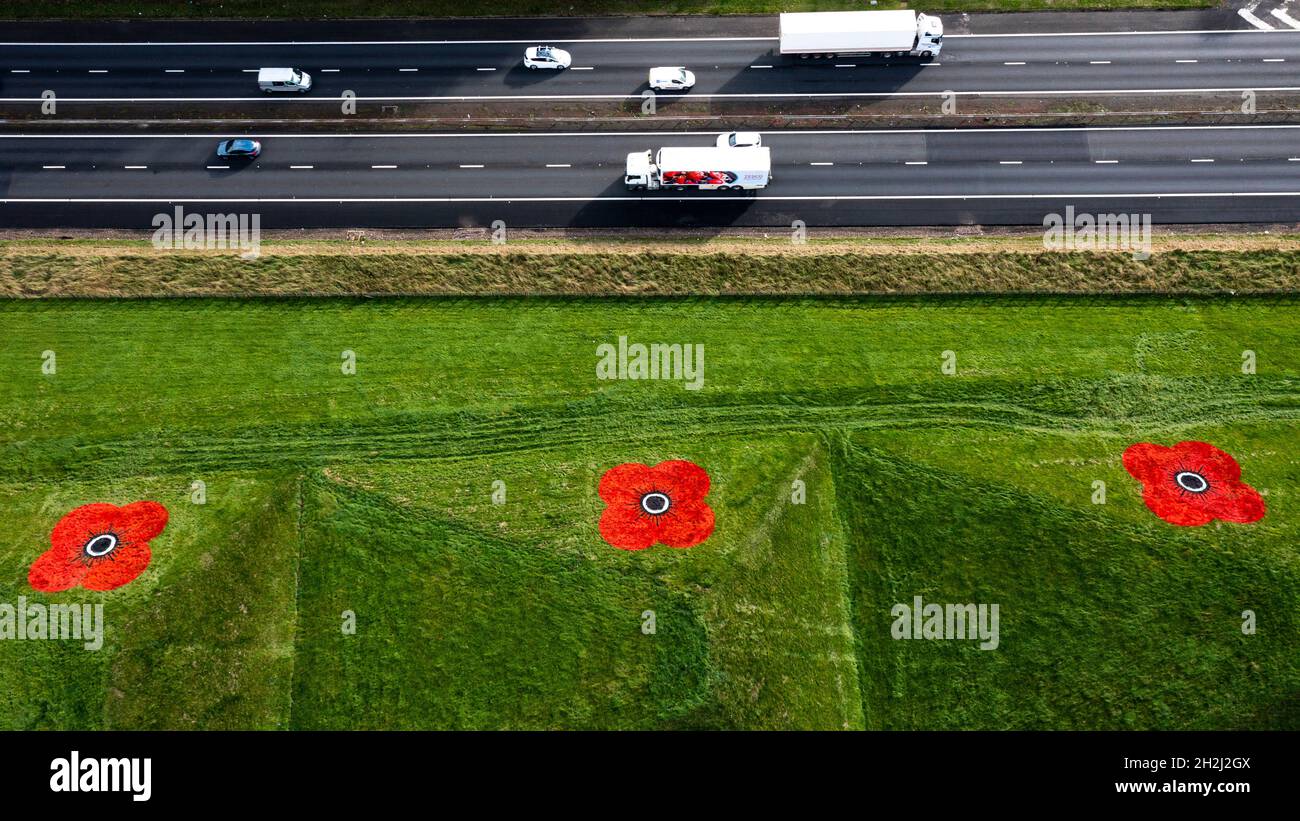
547	57
740	139
671	78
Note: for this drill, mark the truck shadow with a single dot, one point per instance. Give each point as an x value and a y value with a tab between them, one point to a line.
807	80
620	208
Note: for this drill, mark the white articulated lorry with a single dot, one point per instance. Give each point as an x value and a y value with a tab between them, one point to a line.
703	168
861	33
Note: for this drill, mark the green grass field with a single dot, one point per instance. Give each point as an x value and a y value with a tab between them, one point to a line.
371	493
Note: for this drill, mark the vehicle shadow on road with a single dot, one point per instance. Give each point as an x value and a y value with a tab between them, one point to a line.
621	208
520	76
805	81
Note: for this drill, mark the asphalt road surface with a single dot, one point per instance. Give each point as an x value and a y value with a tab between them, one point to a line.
746	66
1005	176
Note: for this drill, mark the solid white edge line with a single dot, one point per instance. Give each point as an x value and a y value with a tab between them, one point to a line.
1166	32
624	134
508	199
774	96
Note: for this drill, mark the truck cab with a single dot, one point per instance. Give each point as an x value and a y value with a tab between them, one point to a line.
640	174
929	36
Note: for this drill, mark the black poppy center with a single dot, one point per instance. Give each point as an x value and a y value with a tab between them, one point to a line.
101	545
656	503
1191	482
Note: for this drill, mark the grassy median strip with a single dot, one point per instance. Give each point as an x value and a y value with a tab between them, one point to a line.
1189	264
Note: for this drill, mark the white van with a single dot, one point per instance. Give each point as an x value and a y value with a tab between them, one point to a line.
283	79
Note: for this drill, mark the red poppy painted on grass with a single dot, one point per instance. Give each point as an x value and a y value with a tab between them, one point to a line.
1192	483
98	546
663	504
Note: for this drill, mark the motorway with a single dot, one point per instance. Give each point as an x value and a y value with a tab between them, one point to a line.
1246	173
746	66
896	177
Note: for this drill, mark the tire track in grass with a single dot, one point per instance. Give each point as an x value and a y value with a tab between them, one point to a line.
465	435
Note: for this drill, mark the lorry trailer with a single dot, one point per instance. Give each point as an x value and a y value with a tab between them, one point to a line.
702	168
861	33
